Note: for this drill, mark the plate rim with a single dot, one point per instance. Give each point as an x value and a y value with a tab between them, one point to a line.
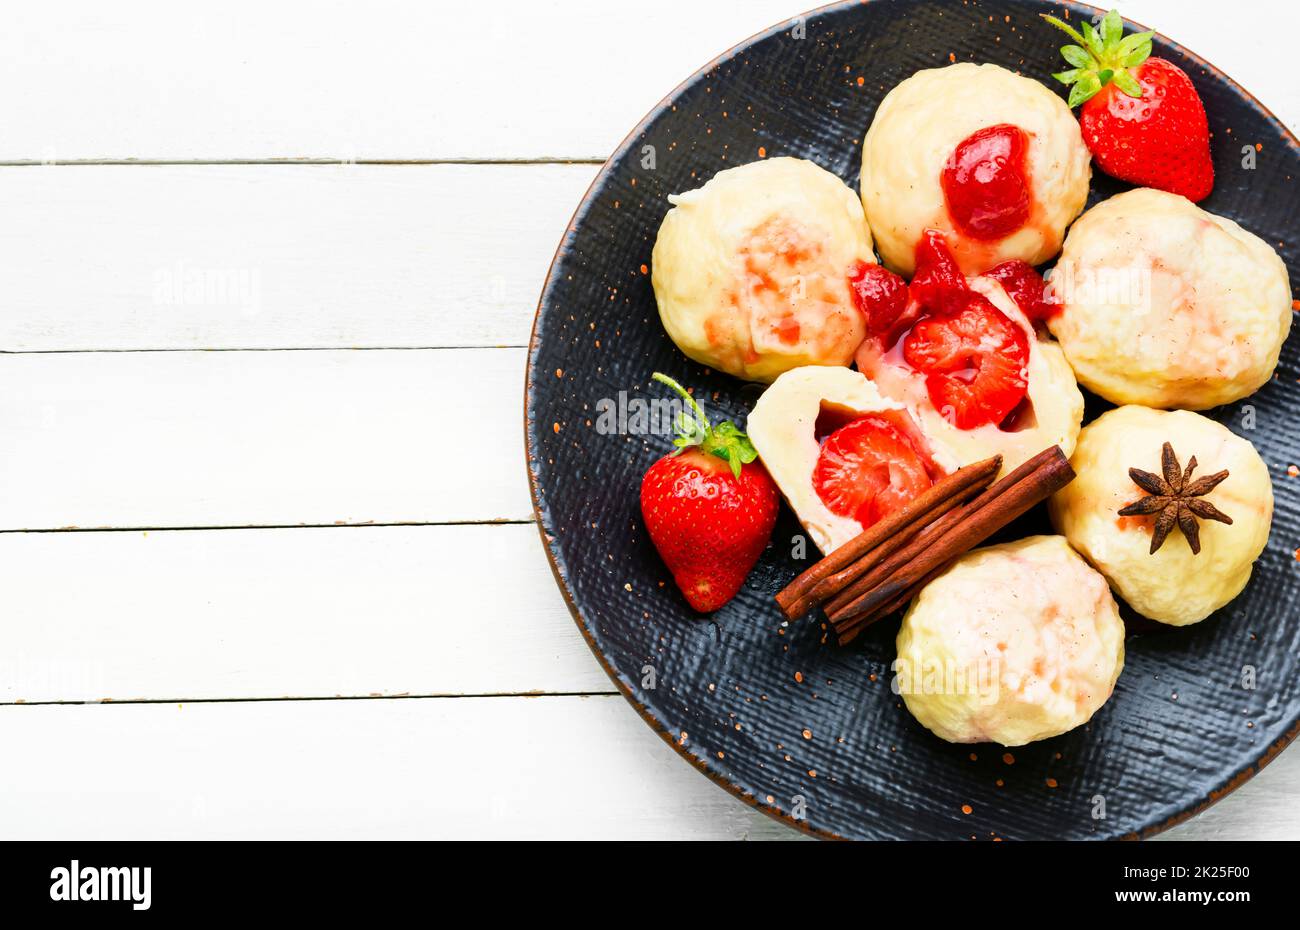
1195	807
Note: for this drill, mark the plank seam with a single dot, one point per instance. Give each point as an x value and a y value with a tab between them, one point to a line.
291	162
432	696
498	521
148	351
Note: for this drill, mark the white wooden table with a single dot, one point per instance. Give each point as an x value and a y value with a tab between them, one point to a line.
266	276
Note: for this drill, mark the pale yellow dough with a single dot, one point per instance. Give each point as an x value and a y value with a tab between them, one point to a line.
1171	585
1167	305
751	270
1052	392
1013	643
782	427
916	129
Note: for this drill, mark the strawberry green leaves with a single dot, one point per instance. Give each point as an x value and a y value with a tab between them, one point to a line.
1101	56
725	440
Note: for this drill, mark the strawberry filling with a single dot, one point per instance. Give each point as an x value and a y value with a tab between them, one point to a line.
1026	287
938	284
972	356
974	362
880	296
986	182
868	469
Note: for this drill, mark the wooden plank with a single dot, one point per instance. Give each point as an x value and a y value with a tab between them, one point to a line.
285	613
261	438
463	768
271	257
516	79
390	80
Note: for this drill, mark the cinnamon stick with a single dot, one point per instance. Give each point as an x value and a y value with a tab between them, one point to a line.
934	532
968	527
832	585
883	537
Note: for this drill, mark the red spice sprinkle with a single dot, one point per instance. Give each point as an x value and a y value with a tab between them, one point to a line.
1051	782
967	809
798	676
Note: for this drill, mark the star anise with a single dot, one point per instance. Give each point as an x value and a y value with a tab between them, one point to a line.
1176	499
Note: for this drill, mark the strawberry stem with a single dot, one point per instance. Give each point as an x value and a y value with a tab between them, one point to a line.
686	396
1101	56
725	440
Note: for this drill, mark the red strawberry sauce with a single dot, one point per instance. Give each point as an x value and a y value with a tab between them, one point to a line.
986	183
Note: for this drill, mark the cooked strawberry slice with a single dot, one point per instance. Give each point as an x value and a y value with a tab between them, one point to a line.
974	362
869	469
1026	287
879	294
938	284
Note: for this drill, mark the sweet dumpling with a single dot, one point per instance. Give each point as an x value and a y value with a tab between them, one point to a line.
1011	644
994	160
751	270
966	358
1022	381
1173	584
1166	305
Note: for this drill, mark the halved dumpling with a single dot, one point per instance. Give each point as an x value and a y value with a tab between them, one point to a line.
842	455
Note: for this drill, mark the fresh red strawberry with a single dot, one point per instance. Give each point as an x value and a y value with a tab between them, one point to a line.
709	507
880	295
974	362
1026	287
938	284
1141	116
868	469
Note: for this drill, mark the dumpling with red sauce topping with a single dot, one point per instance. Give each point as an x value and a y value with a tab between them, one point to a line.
970	358
994	160
751	271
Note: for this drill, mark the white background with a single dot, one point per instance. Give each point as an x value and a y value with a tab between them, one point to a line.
296	591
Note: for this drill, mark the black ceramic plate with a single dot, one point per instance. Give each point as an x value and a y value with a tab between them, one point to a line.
807	731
